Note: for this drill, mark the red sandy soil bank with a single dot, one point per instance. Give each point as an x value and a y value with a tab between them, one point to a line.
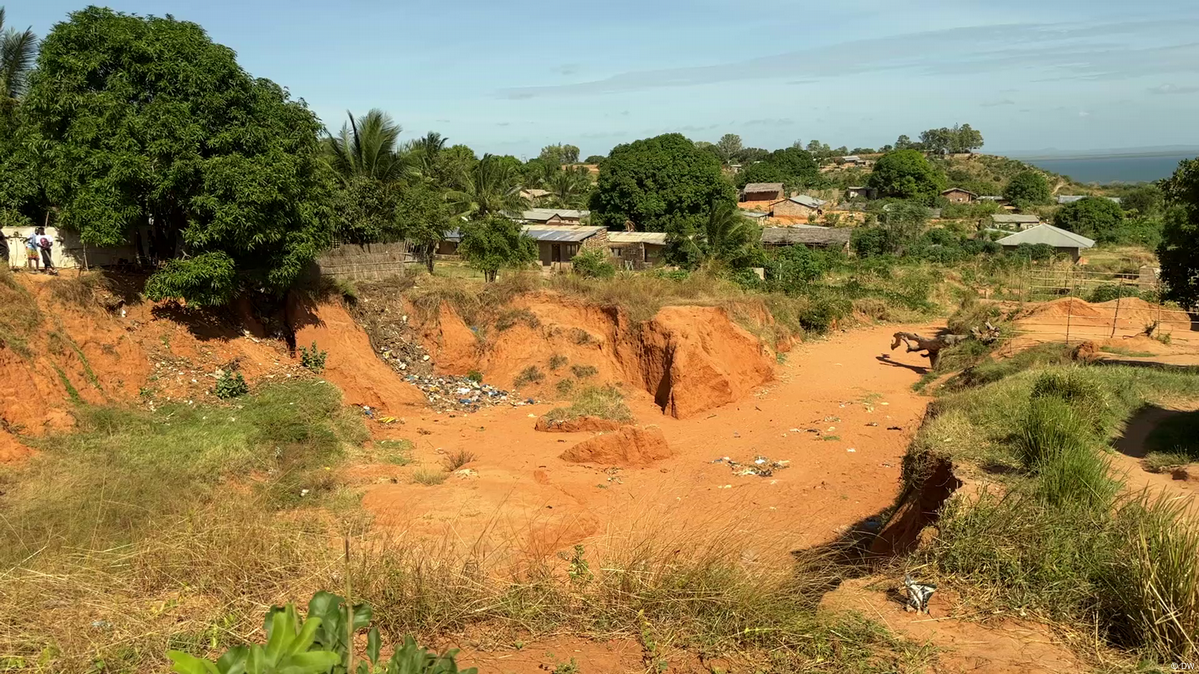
629	447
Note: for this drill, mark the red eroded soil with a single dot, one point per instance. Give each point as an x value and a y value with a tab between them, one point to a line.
351	363
531	501
629	447
690	359
996	647
1103	321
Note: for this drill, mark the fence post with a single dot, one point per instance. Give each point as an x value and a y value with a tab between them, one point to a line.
1119	296
1069	304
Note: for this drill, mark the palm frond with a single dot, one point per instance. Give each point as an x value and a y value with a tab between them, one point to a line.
18	50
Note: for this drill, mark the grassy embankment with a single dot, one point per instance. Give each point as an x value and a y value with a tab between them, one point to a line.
1057	536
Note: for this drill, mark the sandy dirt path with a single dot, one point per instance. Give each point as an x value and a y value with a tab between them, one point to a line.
861	407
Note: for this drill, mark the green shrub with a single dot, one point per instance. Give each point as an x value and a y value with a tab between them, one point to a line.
583	371
429	478
511	317
556	361
230	384
529	375
592	263
475	376
605	402
565	387
313	358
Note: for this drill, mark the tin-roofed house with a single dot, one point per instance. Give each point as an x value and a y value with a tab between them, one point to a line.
634	251
1060	240
1016	221
957	195
558	244
797	208
551	216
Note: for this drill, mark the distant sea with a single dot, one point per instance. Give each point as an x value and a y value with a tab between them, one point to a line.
1113	168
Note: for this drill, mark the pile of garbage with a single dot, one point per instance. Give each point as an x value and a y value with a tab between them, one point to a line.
450	393
762	466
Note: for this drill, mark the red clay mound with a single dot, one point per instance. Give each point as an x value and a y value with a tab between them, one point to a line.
579	425
456	350
11	449
629	447
1138	310
352	365
1067	306
695	358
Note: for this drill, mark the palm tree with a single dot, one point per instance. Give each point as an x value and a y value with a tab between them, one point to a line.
17	53
568	186
424	153
728	237
366	148
491	187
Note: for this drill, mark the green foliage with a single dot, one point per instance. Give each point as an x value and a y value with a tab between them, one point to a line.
1093	217
313	358
1178	254
903	222
429	478
206	280
185	142
230	385
583	371
1027	188
475	376
592	263
792	268
957	140
1144	200
792	166
557	361
906	174
661	184
871	241
320	644
496	243
728	238
487	188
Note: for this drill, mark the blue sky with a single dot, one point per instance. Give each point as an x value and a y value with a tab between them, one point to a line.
512	76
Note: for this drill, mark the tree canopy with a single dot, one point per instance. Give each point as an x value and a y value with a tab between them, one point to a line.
906	174
661	184
493	243
727	238
954	140
792	166
1178	252
146	123
1094	217
1027	188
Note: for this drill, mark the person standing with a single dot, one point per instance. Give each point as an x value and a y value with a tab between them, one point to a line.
32	249
45	243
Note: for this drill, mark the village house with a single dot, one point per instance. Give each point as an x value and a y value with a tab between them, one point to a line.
957	195
67	251
551	216
811	236
798	207
769	192
1062	241
855	160
633	251
556	244
861	192
1016	221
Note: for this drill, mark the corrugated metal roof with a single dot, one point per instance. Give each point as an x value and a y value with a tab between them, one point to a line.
656	238
756	215
992	199
810	202
958	189
805	234
560	234
1047	234
763	187
1014	218
543	214
851	157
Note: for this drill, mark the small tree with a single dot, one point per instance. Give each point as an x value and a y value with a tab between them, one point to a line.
496	243
729	145
1093	216
1179	249
903	221
793	267
727	238
1027	188
592	263
906	174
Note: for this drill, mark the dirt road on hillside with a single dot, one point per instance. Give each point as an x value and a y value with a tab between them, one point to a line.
839	412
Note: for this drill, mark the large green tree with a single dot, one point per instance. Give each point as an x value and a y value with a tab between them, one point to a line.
906	174
146	123
365	155
1178	252
794	166
1095	217
729	146
661	184
1027	188
494	242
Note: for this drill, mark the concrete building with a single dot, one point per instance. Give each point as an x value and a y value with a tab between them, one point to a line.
957	195
762	192
636	250
797	207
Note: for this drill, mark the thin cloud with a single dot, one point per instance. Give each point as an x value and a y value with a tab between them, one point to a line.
1074	51
1167	89
996	104
769	121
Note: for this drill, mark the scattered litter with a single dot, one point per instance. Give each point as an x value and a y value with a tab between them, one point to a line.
367	411
796	430
894	428
832	418
872	423
851	449
886	465
736	434
727	486
447	393
762	466
884	403
303	492
613	474
466	473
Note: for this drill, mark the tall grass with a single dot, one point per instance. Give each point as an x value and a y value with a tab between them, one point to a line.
1061	542
605	402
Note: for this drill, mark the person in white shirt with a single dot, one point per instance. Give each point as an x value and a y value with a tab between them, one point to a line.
45	243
